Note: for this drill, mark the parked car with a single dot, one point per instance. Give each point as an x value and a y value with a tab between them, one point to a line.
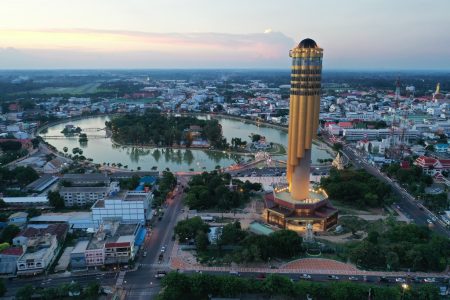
353	278
333	277
305	276
261	276
400	280
430	280
160	274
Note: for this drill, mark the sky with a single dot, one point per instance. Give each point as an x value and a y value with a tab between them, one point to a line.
355	34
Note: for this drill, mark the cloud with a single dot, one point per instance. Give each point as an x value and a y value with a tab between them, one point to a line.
86	48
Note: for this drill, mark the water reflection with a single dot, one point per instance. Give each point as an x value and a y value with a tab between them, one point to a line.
103	150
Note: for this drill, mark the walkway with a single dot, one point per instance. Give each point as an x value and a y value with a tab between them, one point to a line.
319	264
184	260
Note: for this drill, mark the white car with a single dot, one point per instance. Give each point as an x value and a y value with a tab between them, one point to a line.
353	278
430	280
401	280
305	276
160	274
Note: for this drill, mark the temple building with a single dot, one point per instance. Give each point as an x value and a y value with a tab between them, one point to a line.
296	205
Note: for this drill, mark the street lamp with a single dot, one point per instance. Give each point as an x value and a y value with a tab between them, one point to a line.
404	288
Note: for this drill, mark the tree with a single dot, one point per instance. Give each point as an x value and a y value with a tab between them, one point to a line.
92	290
9	233
392	260
3	204
201	241
55	199
337	147
65	149
2	288
25	292
188	229
256	137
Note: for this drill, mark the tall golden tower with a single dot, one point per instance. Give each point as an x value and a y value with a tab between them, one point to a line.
303	114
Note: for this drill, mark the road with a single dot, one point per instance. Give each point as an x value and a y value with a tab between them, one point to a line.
141	284
387	280
105	279
406	203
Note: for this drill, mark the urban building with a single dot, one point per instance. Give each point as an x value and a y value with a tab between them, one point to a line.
8	260
82	195
39	254
297	205
124	206
19	218
92	179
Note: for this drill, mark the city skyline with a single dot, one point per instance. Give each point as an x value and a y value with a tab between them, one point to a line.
198	34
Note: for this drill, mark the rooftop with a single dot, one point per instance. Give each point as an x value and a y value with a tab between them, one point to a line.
42	183
84	189
19	214
85	177
80	247
307	43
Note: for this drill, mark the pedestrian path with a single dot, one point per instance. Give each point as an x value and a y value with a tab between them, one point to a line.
120	278
300	266
156	266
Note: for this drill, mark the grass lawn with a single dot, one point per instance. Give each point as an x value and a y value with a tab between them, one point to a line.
89	88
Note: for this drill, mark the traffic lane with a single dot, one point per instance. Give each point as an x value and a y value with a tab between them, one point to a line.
407	202
14	285
387	280
161	235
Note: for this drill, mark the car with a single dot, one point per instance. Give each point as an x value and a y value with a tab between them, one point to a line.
383	279
400	280
145	254
305	276
160	274
434	219
429	280
353	278
163	249
333	277
234	273
261	276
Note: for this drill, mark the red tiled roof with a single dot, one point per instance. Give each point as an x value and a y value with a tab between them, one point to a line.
17	251
345	124
117	245
58	229
424	160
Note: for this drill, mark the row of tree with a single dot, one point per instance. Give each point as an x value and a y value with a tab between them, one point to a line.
204	286
166	184
402	246
17	177
213	190
71	290
248	247
357	188
157	129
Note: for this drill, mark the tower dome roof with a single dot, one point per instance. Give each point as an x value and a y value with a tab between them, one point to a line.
307	43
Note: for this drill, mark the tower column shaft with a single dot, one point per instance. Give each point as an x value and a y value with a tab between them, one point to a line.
300	177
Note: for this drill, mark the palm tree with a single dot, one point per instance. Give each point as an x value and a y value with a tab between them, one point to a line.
65	149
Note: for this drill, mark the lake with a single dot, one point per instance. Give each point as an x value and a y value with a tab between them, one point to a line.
102	150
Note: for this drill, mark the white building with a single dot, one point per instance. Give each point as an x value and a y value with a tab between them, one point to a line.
81	196
125	206
40	252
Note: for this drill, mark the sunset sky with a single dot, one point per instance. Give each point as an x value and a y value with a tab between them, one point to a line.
356	34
